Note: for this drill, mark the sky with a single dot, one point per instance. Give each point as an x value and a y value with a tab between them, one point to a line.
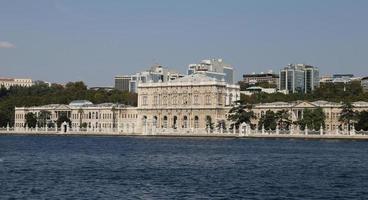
94	40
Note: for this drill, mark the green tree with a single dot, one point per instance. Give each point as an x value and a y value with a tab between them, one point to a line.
239	114
348	115
31	120
63	117
268	120
43	116
113	110
313	118
81	113
221	123
4	119
362	121
283	119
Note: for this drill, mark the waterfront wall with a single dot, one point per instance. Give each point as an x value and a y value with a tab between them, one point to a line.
243	131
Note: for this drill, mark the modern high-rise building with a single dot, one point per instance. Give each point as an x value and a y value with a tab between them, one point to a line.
122	82
298	78
155	74
214	68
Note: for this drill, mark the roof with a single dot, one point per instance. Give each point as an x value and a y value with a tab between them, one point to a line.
80	103
194	78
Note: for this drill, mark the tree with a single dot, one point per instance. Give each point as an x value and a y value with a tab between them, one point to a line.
283	119
362	121
31	120
113	110
347	115
63	117
239	114
221	123
313	118
43	116
268	121
4	119
81	112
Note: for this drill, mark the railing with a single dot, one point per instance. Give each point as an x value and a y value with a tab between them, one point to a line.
244	130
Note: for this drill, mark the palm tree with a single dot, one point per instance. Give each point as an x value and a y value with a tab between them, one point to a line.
347	114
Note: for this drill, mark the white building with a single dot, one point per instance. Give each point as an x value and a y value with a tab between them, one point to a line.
154	74
84	114
214	68
256	90
193	101
9	82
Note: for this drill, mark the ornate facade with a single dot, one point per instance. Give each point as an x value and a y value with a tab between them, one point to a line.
295	109
190	102
94	117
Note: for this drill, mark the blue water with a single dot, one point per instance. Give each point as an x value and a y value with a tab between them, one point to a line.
67	167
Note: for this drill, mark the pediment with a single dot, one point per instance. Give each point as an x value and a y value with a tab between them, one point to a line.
62	107
304	104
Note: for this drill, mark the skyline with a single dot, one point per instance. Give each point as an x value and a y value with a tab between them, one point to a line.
61	41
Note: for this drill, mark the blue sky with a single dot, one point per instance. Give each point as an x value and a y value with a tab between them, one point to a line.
90	40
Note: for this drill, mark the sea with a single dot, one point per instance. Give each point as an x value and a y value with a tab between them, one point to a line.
91	167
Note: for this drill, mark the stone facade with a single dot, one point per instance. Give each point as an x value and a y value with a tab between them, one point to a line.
90	116
295	109
190	102
9	82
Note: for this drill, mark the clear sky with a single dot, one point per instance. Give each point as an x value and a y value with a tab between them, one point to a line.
93	40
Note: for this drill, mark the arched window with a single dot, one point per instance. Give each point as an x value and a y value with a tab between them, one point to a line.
208	121
165	122
175	120
185	120
155	121
144	120
196	122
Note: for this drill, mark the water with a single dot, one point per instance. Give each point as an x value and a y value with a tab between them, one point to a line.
58	167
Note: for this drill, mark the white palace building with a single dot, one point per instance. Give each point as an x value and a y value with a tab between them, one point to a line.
186	103
191	105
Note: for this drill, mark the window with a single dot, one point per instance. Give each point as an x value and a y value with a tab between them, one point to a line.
155	121
155	100
164	102
185	120
185	100
208	99
165	122
174	100
196	122
144	100
196	100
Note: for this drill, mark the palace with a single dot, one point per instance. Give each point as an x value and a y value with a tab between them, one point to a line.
84	114
190	102
295	109
10	82
193	101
